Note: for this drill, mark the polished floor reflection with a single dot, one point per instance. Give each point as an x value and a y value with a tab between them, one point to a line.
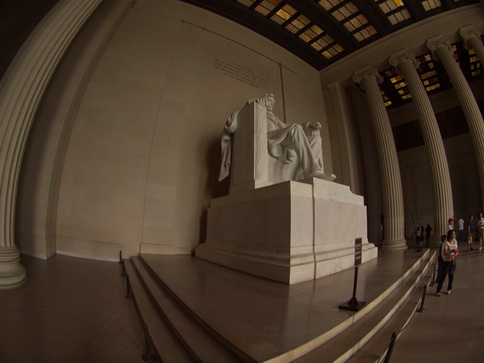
74	310
69	310
266	319
451	329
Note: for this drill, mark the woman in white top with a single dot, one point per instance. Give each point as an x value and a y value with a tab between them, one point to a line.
449	252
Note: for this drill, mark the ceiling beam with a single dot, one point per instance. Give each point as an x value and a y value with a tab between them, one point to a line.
269	29
319	16
375	16
415	10
448	4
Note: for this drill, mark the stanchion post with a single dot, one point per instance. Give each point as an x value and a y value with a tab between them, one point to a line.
129	292
148	355
121	261
353	304
421	308
123	269
432	278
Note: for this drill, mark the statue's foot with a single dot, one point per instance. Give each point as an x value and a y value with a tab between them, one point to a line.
321	175
317	174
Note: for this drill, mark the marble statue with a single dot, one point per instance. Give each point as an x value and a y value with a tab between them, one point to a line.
288	143
281	217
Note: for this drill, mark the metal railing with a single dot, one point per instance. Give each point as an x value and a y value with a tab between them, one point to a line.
386	355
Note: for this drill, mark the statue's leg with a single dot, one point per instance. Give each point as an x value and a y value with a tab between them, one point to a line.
307	160
316	145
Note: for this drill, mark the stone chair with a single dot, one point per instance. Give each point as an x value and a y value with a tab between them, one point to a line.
252	166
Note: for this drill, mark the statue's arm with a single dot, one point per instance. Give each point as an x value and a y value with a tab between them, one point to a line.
312	128
259	100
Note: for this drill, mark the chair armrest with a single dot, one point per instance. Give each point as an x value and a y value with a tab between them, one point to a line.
310	131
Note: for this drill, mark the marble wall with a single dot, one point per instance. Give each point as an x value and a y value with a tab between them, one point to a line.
140	140
418	185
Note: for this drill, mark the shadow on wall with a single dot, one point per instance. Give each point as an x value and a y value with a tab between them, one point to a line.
213	188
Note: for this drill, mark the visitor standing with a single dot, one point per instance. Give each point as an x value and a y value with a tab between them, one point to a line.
470	232
460	230
451	225
428	232
419	236
480	230
443	238
450	251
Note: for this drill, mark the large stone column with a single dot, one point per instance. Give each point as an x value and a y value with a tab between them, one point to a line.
393	212
406	64
21	91
472	39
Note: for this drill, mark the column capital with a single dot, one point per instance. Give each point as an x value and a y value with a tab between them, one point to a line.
401	56
467	33
367	72
436	43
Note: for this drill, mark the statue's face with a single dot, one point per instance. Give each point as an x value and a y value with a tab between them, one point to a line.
270	101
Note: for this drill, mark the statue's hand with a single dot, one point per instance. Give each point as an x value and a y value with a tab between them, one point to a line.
314	125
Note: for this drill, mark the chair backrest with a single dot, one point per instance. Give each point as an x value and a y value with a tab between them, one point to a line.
249	167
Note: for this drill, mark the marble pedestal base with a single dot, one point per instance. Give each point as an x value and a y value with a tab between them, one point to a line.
289	232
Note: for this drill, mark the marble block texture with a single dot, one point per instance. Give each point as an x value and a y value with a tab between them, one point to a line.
289	232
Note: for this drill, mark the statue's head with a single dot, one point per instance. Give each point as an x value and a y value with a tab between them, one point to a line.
268	101
270	98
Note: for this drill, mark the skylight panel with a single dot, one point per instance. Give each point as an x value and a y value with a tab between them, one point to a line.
311	33
348	14
284	14
386	100
300	22
365	33
395	10
431	4
333	51
474	65
247	3
329	4
322	42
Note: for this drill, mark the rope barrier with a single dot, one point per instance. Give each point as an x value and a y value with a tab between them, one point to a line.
386	355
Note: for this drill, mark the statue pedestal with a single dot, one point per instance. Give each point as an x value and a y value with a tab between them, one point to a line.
289	232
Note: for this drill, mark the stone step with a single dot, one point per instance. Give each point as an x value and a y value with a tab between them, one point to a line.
376	348
166	345
200	343
367	339
255	319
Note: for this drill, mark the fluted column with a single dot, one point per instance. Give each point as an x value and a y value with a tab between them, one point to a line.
472	39
21	91
393	212
406	64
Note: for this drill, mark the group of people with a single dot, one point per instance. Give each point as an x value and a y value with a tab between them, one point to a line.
449	249
419	236
475	231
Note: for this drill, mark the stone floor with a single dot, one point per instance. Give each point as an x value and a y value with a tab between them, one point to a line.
74	310
69	310
266	319
451	329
